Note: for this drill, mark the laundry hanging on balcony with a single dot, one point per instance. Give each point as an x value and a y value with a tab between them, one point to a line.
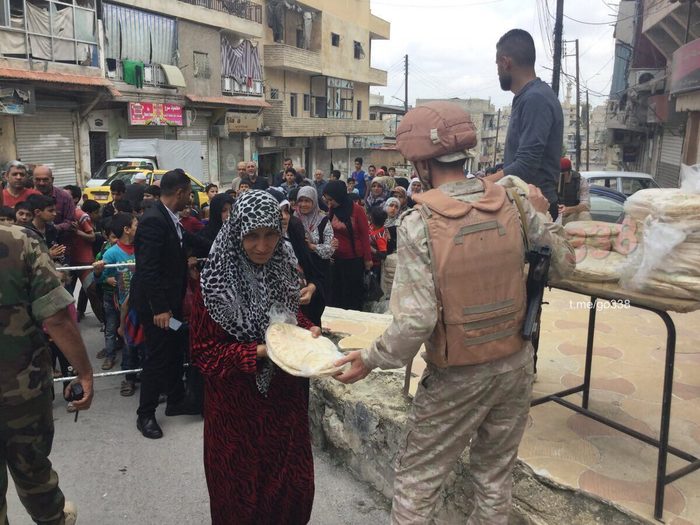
240	62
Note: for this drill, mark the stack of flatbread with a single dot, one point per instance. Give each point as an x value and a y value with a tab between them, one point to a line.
675	271
594	243
298	353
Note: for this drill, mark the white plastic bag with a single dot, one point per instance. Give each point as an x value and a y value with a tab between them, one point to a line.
690	178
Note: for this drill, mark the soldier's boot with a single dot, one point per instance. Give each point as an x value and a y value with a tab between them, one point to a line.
70	513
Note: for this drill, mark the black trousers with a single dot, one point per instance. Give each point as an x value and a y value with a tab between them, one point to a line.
162	366
348	283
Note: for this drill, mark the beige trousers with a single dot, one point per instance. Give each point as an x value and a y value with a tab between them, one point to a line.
452	407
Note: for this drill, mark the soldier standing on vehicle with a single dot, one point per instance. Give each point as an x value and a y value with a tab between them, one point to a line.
31	294
460	288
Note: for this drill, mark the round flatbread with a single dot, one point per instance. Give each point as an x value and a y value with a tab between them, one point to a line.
300	354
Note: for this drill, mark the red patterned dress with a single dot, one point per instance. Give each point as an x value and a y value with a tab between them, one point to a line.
257	450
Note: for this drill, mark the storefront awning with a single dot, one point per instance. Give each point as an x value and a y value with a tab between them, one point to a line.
251	102
58	78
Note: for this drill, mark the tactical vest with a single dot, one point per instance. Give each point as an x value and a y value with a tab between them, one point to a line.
477	260
568	191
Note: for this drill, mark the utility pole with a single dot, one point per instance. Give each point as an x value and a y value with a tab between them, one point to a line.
588	132
405	81
578	112
498	128
558	29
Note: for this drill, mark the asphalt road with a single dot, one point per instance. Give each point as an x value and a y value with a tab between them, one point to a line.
116	476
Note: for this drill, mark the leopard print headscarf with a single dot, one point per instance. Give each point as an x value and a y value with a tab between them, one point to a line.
240	294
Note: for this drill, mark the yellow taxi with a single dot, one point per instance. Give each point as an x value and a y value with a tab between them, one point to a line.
103	196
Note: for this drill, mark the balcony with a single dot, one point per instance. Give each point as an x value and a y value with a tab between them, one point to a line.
379	29
665	24
290	58
229	86
153	75
240	8
377	77
282	124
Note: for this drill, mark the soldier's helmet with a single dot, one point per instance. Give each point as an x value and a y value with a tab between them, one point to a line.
437	130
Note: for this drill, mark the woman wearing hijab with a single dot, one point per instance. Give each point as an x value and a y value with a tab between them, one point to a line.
415	187
257	449
392	207
219	211
353	255
401	194
378	193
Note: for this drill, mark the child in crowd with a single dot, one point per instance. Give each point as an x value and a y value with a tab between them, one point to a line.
108	289
23	214
7	216
211	190
43	214
152	193
378	240
335	175
124	227
290	180
351	186
189	219
244	186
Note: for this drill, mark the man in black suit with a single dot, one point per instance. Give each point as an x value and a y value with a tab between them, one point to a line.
157	291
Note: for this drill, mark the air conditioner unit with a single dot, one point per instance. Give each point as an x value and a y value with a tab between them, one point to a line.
642	76
148	74
227	84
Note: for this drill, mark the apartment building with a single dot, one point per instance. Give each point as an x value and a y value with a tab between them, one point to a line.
654	108
317	64
78	75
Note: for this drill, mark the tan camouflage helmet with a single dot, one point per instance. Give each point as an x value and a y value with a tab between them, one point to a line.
437	130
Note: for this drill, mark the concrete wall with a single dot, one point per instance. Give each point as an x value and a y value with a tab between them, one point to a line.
201	39
362	426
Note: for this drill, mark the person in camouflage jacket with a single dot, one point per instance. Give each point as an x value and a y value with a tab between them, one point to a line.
31	294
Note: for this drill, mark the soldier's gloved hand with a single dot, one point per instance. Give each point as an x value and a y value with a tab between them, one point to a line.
358	369
537	200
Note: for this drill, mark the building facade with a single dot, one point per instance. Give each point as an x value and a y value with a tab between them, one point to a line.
654	107
317	62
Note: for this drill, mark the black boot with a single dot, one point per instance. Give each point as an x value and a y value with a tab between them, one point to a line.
149	427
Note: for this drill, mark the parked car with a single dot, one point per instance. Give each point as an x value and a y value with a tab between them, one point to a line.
112	166
607	205
627	182
102	194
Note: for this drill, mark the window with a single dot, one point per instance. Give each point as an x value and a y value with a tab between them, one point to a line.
359	52
359	110
335	39
307	102
274	94
293	104
201	65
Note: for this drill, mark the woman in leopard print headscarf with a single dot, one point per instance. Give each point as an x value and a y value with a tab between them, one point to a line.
257	447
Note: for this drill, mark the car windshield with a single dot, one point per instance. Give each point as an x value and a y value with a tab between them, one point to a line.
109	168
126	176
195	186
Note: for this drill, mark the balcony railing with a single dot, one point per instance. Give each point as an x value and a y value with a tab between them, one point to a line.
153	75
241	8
229	86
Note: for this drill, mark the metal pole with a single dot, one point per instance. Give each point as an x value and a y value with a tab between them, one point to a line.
588	132
405	81
687	25
578	112
498	128
558	28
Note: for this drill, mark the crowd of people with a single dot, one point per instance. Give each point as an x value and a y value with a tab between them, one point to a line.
173	282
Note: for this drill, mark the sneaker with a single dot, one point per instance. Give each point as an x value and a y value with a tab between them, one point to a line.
127	388
108	363
102	353
70	513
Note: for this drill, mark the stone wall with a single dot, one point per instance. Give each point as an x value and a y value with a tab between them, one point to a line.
362	426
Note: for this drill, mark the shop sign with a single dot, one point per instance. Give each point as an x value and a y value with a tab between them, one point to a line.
155	114
686	68
629	154
340	83
16	100
365	142
242	122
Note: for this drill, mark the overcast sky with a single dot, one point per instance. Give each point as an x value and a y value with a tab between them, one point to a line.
451	45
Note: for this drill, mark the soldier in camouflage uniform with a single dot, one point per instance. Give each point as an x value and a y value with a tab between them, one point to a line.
482	406
31	294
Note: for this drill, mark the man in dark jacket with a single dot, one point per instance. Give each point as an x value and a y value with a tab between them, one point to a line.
158	289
